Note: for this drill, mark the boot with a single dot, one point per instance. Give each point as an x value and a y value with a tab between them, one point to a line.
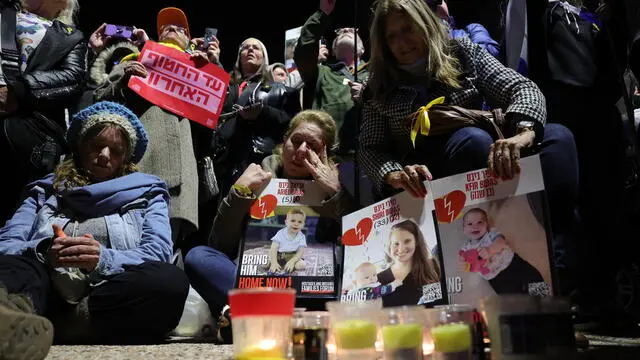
23	334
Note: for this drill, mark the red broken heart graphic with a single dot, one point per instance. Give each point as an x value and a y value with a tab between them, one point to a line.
363	228
449	206
264	206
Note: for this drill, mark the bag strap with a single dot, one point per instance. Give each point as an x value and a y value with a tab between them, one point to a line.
10	55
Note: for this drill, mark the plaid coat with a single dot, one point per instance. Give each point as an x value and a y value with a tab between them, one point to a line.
385	133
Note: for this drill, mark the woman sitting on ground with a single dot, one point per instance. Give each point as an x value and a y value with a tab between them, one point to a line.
97	232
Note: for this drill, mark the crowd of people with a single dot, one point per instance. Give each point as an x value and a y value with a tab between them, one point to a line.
106	221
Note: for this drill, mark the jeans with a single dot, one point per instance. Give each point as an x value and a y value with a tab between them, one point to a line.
467	149
141	305
212	275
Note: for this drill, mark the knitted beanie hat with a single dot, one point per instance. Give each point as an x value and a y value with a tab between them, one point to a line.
109	112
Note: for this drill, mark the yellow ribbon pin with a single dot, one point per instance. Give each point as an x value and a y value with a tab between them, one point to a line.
422	124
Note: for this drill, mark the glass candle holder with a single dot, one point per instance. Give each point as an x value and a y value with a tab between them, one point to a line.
310	335
402	332
451	332
558	330
516	327
261	322
354	328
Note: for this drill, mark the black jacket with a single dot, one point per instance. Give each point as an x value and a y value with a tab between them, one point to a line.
240	142
55	75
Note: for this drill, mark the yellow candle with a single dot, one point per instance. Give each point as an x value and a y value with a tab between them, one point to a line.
266	350
451	338
402	336
356	334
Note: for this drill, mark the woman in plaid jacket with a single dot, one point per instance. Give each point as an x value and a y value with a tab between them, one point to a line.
413	63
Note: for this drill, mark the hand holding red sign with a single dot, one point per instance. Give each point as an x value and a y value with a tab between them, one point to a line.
176	84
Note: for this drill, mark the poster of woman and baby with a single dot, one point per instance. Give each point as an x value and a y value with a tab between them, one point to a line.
472	237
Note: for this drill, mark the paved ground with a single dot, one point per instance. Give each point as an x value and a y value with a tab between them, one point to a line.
607	348
154	352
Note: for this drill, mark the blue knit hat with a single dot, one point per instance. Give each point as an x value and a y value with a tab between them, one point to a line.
109	112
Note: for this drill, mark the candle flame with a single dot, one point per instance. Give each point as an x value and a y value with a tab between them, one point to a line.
331	348
267	344
428	348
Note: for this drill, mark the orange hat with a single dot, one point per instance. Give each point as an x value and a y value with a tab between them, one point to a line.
172	16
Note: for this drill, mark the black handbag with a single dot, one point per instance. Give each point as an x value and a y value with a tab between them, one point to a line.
30	134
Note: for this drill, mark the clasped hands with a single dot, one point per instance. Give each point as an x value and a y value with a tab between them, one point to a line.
81	252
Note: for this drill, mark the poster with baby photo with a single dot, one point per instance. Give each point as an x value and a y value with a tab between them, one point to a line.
287	244
494	234
387	253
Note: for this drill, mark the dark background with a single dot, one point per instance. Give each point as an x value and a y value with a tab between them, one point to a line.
265	20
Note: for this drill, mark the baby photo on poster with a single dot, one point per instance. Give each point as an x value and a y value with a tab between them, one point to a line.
494	234
287	244
387	253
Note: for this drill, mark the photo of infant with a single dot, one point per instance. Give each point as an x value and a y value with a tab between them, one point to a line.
396	268
486	252
497	247
367	281
287	245
291	243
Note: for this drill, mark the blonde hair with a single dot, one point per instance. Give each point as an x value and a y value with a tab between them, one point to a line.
441	65
70	174
69	12
364	266
323	120
297	212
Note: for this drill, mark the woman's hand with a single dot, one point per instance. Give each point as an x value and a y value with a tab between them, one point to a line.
504	157
98	40
254	177
78	252
199	57
213	50
325	174
356	90
411	179
139	37
135	68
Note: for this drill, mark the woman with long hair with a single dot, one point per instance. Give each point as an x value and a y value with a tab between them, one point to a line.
91	245
414	63
410	262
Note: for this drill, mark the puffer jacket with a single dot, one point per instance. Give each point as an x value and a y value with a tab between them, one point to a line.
55	76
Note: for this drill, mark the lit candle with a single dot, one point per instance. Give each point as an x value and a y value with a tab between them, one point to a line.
401	336
427	348
451	337
265	350
356	334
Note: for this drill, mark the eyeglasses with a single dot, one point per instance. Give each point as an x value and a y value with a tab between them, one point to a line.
177	28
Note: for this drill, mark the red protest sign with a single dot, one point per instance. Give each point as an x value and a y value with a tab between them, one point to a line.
176	85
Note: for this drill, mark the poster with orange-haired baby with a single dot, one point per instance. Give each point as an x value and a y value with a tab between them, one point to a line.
494	234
